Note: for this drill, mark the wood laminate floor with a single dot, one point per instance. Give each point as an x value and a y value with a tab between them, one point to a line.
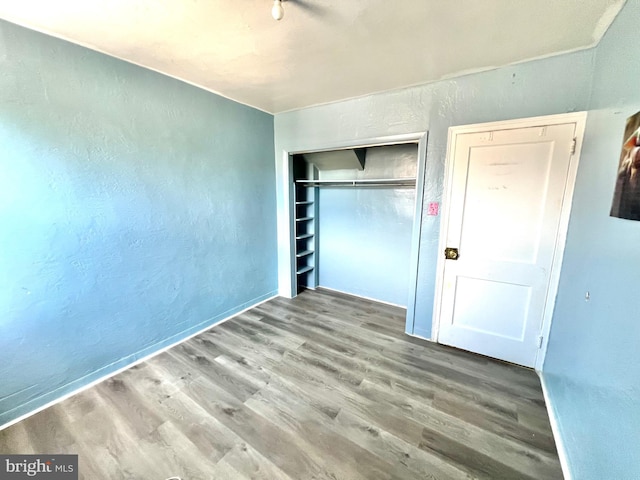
324	386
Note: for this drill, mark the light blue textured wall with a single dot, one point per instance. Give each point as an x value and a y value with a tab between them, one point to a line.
135	210
592	368
553	85
365	233
602	254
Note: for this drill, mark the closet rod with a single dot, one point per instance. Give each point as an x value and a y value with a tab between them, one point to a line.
369	182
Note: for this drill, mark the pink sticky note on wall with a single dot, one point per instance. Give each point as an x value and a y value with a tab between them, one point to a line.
433	209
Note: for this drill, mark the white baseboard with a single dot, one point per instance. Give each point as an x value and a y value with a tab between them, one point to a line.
414	335
562	451
319	287
136	362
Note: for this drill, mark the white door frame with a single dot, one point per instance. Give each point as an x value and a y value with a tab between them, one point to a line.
286	250
579	118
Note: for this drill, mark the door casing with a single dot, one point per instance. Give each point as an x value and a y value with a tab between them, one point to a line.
579	118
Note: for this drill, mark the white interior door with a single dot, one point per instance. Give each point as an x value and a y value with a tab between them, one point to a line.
505	201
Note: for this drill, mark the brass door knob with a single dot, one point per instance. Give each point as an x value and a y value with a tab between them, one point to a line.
451	253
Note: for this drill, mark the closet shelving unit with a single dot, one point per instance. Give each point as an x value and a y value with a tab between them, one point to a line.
306	225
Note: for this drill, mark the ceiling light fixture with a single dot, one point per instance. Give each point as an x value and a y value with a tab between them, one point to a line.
277	12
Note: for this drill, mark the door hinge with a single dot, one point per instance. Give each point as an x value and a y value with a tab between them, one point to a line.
540	338
573	146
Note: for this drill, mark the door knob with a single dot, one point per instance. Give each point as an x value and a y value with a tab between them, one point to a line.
451	253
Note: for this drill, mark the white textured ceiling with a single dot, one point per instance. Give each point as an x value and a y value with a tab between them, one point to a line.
323	50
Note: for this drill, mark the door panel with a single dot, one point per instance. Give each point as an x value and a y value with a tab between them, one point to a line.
504	213
498	178
470	293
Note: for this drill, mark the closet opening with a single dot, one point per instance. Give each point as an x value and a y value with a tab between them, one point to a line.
355	214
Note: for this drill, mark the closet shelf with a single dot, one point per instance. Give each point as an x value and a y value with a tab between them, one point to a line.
363	182
309	202
304	253
303	236
303	219
306	269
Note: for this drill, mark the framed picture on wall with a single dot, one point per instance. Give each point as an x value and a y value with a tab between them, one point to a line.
626	197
